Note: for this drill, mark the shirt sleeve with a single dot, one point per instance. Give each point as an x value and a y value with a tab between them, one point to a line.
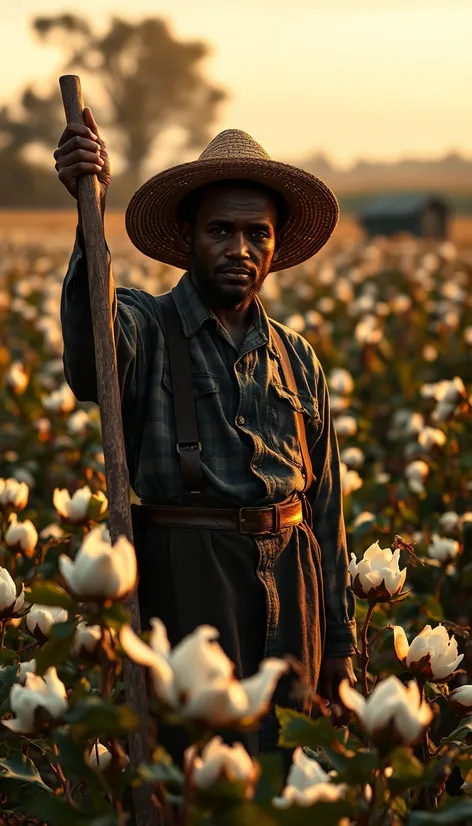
135	326
328	526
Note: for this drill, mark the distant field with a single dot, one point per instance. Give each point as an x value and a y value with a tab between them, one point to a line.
32	226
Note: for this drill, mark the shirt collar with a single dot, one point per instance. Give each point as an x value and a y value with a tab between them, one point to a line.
194	313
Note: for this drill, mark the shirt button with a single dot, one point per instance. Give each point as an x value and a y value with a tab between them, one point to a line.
240	420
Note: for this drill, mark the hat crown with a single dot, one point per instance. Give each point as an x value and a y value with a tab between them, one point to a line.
234	143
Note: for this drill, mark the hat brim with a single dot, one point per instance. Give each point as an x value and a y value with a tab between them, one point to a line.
152	214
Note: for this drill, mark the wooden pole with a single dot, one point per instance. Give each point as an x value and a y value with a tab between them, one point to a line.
116	469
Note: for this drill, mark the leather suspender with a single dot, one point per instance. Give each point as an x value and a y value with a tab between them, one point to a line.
188	445
292	385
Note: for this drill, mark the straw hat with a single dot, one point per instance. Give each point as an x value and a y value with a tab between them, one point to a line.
152	219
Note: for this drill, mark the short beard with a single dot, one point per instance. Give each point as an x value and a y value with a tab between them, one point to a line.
227	299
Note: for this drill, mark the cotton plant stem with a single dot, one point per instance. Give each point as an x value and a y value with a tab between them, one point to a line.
63	780
440	583
2	634
364	657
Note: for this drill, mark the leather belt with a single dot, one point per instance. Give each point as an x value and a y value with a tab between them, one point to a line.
257	521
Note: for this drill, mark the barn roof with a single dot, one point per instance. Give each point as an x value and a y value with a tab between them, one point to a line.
407	203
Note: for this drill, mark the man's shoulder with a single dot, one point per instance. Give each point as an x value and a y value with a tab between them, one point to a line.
139	299
298	344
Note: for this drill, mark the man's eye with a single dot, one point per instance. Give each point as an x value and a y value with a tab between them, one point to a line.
260	233
218	231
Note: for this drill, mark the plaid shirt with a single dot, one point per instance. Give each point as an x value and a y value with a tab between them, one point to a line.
246	416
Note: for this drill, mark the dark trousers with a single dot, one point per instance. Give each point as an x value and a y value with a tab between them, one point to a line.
264	596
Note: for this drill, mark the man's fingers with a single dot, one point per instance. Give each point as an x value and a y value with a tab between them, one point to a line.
89	121
76	129
76	144
69	173
77	156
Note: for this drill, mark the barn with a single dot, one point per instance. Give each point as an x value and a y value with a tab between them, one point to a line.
422	215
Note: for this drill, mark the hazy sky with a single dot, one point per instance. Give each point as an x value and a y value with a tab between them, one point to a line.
351	78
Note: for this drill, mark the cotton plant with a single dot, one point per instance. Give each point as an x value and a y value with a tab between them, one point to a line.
13	496
195	680
100	571
41	618
21	537
432	655
307	784
377	577
443	549
219	762
392	715
37	704
80	508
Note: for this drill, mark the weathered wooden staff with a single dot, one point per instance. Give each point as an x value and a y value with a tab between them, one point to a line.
116	469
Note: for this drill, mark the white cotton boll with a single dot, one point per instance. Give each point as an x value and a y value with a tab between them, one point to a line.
221	762
367	331
17	378
21	536
296	322
41	618
432	653
364	518
392	710
430	437
340	381
377	576
350	480
60	401
78	423
353	457
47	693
345	426
308	784
99	570
449	521
443	549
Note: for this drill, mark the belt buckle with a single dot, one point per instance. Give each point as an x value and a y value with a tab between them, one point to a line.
275	528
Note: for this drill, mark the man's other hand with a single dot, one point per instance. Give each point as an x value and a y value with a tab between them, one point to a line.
333	671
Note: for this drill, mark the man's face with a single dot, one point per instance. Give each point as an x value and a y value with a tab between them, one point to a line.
232	243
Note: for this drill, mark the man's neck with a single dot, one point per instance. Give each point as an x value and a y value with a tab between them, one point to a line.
235	321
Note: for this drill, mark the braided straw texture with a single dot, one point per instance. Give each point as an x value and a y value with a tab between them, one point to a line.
151	217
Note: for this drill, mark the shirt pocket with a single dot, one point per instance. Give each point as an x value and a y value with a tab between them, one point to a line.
205	394
284	405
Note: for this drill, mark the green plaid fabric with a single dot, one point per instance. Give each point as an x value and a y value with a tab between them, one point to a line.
246	416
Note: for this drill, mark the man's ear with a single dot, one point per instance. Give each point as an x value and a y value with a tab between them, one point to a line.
278	244
186	236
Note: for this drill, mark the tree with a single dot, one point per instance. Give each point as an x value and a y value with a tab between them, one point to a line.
149	81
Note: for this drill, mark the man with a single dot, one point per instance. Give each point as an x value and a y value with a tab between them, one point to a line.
222	554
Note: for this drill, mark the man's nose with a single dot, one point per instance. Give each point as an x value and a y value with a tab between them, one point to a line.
237	247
